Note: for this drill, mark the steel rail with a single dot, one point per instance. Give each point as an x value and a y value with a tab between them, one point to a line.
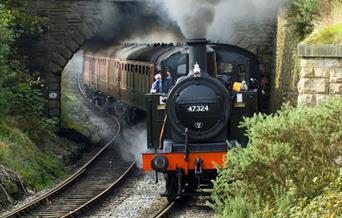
97	197
74	177
66	183
165	212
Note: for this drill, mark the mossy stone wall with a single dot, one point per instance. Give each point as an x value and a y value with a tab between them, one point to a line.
286	65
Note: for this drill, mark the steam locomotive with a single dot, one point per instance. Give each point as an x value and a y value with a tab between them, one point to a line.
192	126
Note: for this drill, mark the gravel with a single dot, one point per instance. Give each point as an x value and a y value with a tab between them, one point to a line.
194	207
138	197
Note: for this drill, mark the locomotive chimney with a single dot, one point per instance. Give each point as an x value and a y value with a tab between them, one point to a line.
198	54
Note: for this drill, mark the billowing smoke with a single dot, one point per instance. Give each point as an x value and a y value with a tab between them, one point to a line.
232	15
133	143
193	16
217	19
135	21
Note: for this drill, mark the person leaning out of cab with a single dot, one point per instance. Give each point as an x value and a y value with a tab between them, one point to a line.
157	84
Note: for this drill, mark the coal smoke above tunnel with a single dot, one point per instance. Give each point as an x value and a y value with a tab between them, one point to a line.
135	21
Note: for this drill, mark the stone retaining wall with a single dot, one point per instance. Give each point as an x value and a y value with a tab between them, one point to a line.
321	73
284	80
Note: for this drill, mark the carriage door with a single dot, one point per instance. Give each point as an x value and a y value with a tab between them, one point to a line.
119	79
92	72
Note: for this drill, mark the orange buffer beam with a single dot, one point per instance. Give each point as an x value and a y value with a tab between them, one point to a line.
210	159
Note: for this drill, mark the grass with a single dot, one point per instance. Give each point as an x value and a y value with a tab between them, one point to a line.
67	103
67	118
18	152
331	34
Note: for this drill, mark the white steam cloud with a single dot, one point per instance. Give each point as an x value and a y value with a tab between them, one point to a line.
133	143
193	16
216	19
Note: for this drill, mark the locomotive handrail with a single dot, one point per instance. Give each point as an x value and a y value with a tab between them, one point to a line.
162	133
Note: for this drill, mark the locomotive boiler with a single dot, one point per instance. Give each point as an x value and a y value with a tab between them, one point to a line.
190	127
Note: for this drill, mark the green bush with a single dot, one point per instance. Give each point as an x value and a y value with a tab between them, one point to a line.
301	15
20	94
22	123
290	161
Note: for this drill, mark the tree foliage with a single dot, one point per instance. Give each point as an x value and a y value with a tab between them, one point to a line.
291	167
23	125
301	16
20	94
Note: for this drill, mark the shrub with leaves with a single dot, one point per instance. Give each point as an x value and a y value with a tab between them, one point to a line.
289	166
20	94
23	125
301	15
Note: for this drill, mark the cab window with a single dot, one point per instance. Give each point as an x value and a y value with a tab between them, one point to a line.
181	70
225	68
242	72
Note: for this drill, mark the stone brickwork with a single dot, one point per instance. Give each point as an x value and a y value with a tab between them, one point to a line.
70	24
320	74
285	78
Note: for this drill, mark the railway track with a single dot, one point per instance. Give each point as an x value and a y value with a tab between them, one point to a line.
100	175
186	207
166	211
103	173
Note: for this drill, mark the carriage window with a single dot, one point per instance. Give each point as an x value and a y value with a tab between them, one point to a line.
181	69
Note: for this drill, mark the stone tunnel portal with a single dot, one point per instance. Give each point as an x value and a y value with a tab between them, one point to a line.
70	24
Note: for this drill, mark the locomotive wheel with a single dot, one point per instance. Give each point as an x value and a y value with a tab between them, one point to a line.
171	186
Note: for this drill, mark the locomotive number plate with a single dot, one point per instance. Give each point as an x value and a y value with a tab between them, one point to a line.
198	108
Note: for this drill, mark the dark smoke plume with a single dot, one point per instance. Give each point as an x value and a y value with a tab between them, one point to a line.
135	21
217	19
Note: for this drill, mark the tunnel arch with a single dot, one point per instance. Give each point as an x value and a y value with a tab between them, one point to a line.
70	24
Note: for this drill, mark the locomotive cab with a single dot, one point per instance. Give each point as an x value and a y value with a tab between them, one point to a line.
191	128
